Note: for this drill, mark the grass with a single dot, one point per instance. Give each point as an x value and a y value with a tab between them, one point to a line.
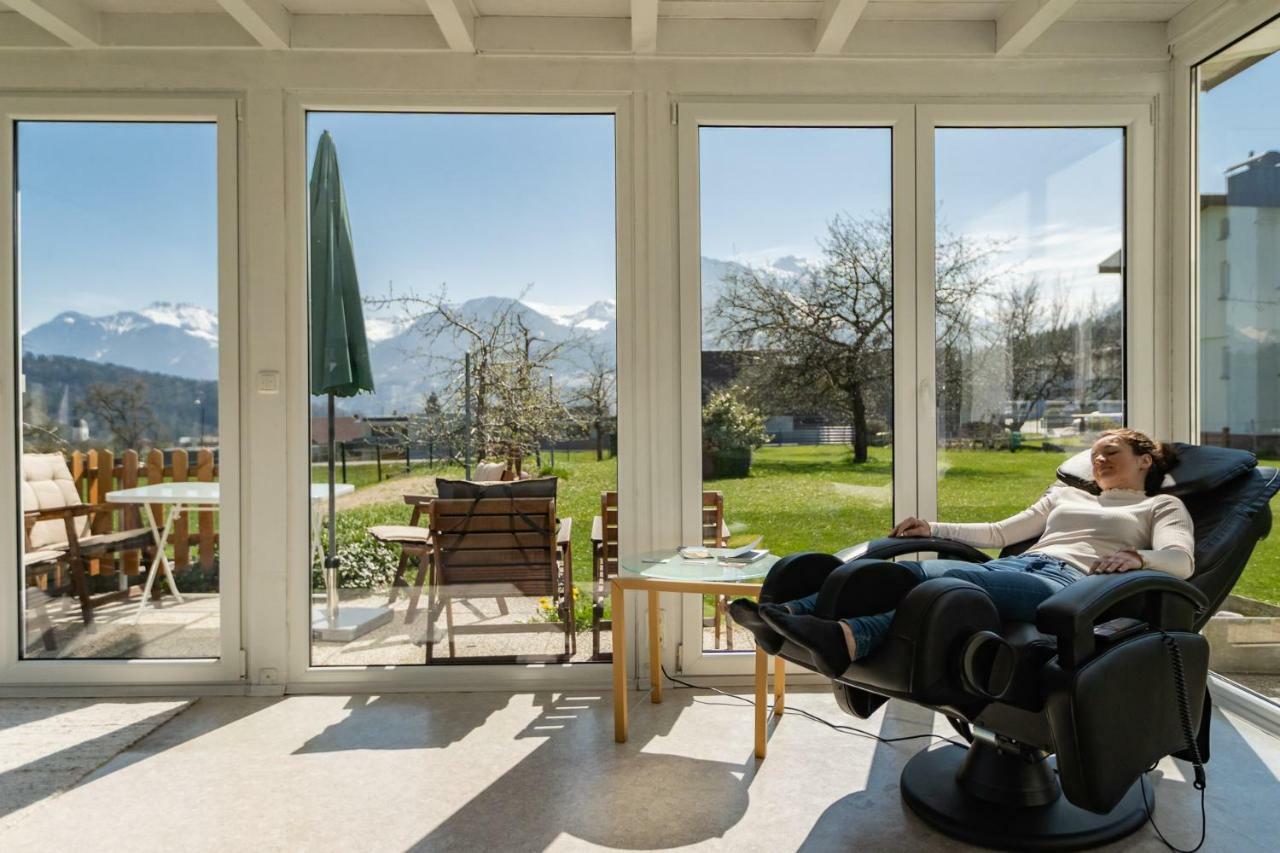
816	498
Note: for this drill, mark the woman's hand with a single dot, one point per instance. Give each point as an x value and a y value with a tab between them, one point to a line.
912	526
1120	561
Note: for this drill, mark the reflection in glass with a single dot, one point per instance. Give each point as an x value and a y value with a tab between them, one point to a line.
1030	309
118	316
797	342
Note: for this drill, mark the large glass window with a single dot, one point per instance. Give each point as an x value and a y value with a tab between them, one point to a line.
797	342
118	283
485	252
1029	330
1239	319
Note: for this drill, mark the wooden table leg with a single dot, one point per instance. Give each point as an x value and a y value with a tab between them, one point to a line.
618	598
655	649
779	685
762	701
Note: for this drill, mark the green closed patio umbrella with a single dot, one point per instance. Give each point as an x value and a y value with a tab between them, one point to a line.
339	360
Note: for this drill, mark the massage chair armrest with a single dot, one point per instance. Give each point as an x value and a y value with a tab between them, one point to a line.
895	546
1159	599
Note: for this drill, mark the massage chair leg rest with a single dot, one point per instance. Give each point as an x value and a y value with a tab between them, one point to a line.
972	795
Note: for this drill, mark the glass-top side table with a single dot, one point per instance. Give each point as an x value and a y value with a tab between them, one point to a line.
667	571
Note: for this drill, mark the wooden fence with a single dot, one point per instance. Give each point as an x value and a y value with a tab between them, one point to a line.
97	472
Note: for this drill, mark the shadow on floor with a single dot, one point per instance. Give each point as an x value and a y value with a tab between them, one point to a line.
394	721
580	783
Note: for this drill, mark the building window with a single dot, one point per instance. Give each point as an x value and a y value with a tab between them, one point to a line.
1224	280
1224	228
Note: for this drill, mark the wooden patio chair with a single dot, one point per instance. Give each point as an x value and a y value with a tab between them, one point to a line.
45	565
414	541
604	560
496	548
58	520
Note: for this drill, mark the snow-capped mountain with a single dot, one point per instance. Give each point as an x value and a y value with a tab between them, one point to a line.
177	339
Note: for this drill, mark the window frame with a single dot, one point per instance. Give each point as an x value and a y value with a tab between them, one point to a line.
229	667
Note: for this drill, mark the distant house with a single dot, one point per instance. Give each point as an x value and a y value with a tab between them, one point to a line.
345	429
1240	307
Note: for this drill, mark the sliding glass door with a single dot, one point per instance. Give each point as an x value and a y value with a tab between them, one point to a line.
1238	316
124	309
799	267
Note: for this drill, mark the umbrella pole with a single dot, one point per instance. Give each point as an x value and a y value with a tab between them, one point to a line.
331	560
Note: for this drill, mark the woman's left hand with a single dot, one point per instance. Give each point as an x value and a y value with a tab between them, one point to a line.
1120	561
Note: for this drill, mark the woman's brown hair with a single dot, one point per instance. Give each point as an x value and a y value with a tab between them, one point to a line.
1163	456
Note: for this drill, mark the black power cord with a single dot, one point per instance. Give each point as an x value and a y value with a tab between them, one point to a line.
1193	748
848	730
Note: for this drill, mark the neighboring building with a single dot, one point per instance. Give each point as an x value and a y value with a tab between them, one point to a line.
345	430
1240	308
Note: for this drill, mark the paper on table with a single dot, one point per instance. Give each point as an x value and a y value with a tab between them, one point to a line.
696	553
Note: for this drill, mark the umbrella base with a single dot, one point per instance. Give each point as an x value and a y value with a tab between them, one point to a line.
351	622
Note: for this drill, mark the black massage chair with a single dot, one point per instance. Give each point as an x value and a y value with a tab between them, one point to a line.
1062	716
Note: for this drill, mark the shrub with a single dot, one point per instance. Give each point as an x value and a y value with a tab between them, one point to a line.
730	424
366	564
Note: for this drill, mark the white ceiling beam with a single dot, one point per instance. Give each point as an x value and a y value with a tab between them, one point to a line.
457	23
267	21
644	26
69	20
1025	21
1198	16
835	23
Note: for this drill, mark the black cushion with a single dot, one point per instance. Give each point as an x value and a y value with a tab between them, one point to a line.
539	487
1197	468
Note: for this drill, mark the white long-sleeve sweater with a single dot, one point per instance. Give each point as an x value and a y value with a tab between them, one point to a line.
1081	528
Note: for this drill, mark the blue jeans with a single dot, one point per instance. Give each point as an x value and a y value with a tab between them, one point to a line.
1017	585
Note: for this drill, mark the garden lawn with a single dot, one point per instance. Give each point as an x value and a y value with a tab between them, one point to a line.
816	499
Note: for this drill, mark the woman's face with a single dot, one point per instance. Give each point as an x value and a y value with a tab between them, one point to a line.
1116	466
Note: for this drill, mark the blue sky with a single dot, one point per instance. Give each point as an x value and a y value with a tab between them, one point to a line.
1236	117
116	216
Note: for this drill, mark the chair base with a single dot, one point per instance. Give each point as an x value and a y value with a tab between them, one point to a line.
930	789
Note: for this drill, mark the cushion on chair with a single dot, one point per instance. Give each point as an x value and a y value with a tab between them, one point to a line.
539	487
1198	468
401	534
47	484
36	558
489	472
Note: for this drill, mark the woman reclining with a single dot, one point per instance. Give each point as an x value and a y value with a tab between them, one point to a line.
1125	527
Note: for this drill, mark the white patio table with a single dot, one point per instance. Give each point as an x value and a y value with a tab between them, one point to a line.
181	498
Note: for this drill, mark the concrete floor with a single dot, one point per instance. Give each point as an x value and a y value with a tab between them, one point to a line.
503	771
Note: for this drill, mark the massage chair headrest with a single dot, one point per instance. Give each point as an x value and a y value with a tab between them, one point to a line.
1196	468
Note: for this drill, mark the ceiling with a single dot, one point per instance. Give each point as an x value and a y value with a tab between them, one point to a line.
998	28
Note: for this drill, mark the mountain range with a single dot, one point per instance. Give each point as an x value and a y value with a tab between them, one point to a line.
409	361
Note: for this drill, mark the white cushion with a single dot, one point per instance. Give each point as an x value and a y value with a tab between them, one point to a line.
489	471
47	484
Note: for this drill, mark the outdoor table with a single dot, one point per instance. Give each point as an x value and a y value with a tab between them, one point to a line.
181	498
667	571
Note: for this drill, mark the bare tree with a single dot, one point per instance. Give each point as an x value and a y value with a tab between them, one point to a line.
598	392
513	403
123	409
824	339
1037	339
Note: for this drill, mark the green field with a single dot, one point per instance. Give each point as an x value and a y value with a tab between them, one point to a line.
815	498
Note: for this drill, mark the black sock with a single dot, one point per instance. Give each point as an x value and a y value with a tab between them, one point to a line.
824	638
747	614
